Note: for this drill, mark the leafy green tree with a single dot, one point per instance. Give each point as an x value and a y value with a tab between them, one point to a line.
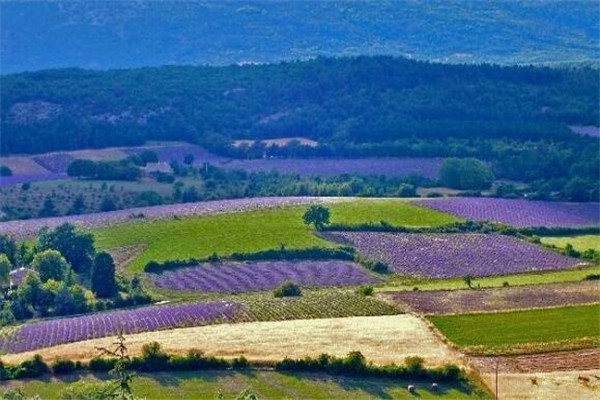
466	174
104	283
5	267
76	247
78	205
188	159
8	246
108	204
288	289
82	169
30	289
5	171
50	264
149	156
48	208
190	195
317	215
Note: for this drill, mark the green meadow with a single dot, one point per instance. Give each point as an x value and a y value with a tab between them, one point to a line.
580	243
266	384
252	231
498	330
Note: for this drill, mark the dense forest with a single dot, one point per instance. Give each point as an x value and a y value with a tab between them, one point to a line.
108	34
343	101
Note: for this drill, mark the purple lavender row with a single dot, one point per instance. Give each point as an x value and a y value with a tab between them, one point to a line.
390	167
23	229
519	213
426	167
454	255
67	330
253	276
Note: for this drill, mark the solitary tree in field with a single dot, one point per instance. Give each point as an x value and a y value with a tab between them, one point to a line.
316	215
103	275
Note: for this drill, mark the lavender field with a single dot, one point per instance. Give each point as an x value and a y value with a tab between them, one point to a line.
519	213
426	167
22	229
390	167
453	255
253	276
66	330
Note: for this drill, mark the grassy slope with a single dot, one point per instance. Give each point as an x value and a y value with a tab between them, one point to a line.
570	275
251	231
581	243
267	384
521	327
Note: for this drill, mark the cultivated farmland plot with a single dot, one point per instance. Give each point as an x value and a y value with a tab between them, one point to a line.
463	301
453	255
390	167
253	276
29	228
65	330
519	213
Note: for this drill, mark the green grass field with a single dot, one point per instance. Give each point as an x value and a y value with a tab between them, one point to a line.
537	278
251	231
267	385
580	243
501	330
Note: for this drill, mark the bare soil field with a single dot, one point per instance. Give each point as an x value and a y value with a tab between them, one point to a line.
23	165
578	360
382	339
572	385
502	299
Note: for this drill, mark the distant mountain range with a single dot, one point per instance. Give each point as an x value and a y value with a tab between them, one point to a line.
120	34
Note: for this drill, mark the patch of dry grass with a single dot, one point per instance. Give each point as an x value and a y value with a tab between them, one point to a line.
572	385
382	339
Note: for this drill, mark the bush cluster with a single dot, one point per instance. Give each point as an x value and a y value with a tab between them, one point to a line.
312	253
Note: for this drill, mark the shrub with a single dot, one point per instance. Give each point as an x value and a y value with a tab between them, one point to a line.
287	289
32	368
100	364
365	290
239	363
63	367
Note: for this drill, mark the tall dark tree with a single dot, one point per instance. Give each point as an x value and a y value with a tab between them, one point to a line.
104	283
77	247
48	208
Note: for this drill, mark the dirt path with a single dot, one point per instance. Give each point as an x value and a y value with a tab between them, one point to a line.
500	299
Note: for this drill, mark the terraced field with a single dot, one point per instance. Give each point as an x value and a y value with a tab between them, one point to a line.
224	234
452	255
255	276
382	339
519	213
465	301
53	332
532	331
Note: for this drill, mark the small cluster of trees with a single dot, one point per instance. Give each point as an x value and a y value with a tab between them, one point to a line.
63	274
127	169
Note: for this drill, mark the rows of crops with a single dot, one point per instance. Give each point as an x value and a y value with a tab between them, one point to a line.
65	330
29	228
454	255
519	213
312	304
253	276
333	303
